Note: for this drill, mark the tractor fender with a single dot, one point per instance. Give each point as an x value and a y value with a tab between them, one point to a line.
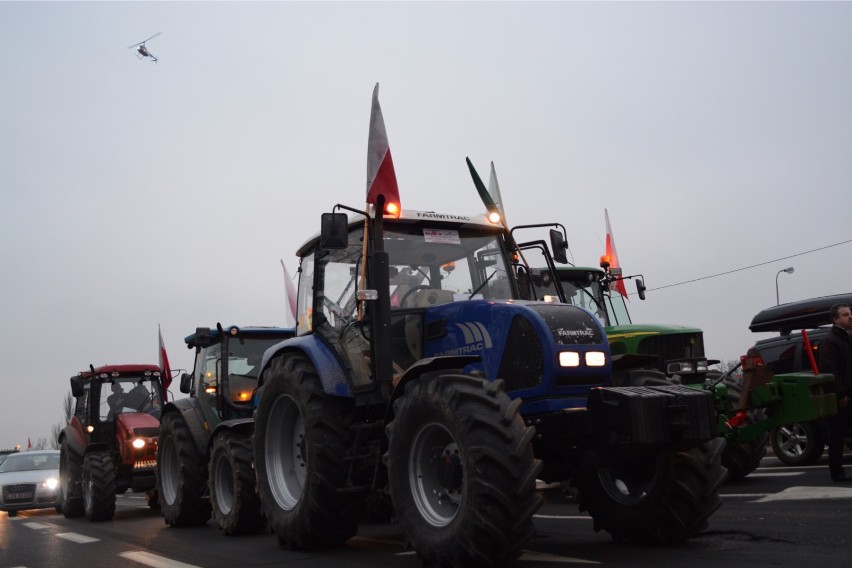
190	408
238	425
427	365
76	436
325	361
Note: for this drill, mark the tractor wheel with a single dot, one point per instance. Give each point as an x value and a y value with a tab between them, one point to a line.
740	459
461	471
181	474
657	498
797	444
233	493
301	437
98	486
70	502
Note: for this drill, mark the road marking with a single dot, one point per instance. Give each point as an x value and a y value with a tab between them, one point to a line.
568	517
742	495
35	525
155	561
777	474
536	556
80	538
808	493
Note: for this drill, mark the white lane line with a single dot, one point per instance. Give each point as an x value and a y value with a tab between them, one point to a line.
536	556
776	474
742	495
808	493
80	538
154	561
37	526
568	517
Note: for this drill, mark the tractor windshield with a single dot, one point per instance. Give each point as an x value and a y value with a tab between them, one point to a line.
437	265
128	395
591	294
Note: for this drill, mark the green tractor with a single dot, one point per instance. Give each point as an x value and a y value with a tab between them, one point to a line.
749	403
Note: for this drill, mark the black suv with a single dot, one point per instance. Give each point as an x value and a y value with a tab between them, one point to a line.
801	443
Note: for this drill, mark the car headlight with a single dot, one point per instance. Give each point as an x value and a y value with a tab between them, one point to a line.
51	483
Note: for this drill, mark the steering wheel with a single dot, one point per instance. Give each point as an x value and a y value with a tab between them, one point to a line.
410	292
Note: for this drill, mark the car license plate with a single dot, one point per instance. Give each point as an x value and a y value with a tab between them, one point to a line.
21	495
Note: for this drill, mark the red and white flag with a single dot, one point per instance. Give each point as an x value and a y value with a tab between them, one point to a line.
29	444
165	369
290	299
381	177
618	285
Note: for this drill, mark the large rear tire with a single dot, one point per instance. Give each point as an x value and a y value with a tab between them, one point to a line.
740	459
797	444
232	486
301	437
462	472
655	499
98	486
181	474
70	500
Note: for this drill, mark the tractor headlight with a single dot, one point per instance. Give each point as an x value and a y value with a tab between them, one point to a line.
595	358
569	359
138	443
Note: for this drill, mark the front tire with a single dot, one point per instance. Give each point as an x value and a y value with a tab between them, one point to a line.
797	444
655	499
181	474
301	437
232	487
98	486
70	501
461	470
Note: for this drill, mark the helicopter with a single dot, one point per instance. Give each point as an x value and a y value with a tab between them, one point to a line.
142	50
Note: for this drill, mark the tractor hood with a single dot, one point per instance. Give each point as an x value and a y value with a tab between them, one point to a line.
136	424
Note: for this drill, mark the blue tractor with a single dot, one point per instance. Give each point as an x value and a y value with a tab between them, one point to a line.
419	377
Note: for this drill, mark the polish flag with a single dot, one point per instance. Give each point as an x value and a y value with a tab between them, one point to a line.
381	177
165	369
618	285
290	299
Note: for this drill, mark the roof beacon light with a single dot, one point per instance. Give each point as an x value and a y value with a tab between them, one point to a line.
392	209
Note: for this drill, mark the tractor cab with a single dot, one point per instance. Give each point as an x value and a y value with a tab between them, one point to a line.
117	398
227	364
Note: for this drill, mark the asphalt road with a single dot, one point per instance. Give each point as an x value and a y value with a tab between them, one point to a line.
778	516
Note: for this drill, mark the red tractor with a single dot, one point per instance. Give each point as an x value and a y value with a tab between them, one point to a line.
110	444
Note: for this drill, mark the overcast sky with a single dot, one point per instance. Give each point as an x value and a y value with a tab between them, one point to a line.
718	136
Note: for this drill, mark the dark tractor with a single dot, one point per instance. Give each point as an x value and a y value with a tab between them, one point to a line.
418	375
110	445
204	465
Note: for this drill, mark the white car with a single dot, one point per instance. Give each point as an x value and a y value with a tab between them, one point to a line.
29	480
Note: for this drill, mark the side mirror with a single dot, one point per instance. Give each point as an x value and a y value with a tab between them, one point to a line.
77	387
559	246
186	383
640	288
334	232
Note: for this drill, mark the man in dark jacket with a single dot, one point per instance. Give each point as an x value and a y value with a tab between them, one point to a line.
835	357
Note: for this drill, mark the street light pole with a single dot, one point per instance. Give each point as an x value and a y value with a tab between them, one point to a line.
788	270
